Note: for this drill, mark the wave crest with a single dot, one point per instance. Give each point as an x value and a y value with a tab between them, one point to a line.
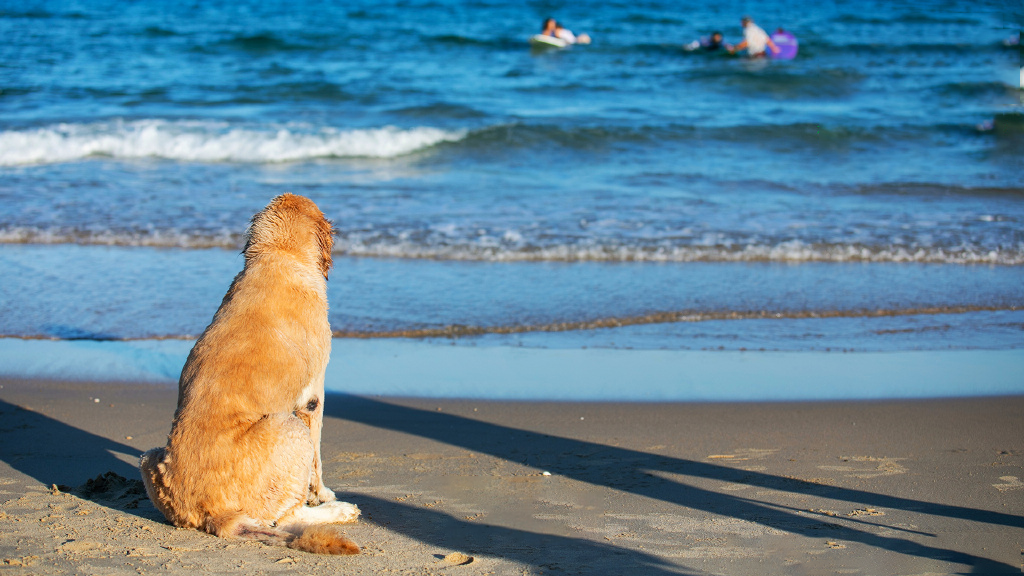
204	141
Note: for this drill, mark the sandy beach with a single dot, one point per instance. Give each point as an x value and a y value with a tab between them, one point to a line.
477	487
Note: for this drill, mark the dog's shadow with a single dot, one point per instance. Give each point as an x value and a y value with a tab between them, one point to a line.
61	456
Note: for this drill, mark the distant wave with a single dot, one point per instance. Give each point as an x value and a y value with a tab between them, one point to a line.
31	14
440	110
519	135
931	189
158	32
263	93
262	42
810	48
913	18
512	248
488	42
647	19
991	89
206	141
289	91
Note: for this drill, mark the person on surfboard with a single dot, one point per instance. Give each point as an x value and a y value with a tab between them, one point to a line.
549	27
556	30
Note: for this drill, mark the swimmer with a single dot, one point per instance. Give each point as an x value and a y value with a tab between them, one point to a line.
755	40
710	43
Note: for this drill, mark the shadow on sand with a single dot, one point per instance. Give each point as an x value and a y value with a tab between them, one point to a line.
76	461
53	452
642	474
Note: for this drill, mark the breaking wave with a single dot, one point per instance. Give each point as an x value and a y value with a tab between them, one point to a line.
207	141
214	141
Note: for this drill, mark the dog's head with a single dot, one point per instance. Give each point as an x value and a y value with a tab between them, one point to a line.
292	224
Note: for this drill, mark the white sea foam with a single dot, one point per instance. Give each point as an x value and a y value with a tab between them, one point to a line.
511	246
153	239
206	141
489	249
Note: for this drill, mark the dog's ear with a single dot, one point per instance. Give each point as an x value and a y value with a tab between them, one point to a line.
325	238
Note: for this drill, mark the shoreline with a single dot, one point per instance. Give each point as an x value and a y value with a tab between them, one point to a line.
457	486
444	369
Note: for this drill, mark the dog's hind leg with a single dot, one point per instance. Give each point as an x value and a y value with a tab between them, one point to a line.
312	415
155	476
273	462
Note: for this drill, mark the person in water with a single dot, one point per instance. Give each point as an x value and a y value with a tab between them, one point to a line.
755	40
549	27
710	43
715	42
553	28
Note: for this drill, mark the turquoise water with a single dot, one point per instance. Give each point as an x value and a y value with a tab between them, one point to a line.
437	370
627	196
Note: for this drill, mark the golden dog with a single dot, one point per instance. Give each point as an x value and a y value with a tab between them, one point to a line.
243	456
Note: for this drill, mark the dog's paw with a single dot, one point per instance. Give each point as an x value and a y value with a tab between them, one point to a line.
321	496
341	511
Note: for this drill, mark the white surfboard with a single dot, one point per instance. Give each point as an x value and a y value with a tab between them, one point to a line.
545	41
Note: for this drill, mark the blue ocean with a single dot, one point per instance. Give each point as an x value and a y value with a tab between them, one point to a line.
627	219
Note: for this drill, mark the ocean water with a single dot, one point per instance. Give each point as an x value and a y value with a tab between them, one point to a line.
627	197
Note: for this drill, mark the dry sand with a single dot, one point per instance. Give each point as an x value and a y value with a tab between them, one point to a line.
470	487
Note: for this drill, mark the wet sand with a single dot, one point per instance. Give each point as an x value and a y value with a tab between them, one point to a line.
477	487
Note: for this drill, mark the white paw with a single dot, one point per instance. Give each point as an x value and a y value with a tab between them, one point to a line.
341	511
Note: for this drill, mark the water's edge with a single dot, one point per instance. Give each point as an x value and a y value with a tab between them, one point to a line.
428	369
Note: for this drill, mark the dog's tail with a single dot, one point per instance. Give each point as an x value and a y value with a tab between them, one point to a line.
315	538
324	539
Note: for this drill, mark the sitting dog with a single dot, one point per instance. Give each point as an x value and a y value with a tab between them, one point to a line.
243	456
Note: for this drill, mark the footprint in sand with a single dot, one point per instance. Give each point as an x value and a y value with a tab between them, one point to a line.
745	454
873	468
1011	483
